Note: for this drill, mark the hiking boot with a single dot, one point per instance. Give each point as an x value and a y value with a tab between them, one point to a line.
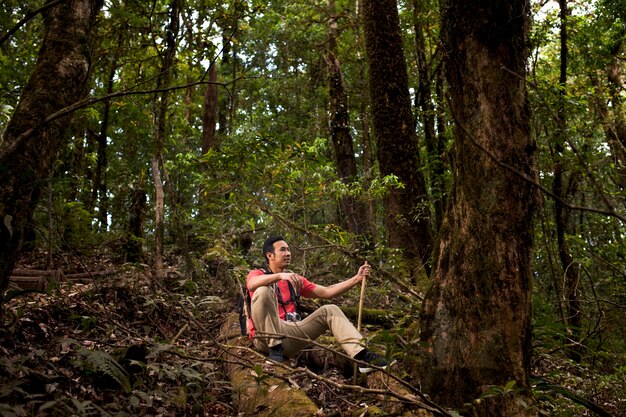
372	359
276	354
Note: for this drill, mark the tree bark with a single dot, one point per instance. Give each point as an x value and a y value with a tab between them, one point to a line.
100	181
442	123
209	113
406	209
424	103
571	269
365	137
160	116
225	103
30	147
134	232
353	210
476	317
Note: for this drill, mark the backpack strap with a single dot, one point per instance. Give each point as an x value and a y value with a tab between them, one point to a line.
243	305
294	298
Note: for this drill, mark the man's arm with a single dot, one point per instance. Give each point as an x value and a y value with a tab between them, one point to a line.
339	288
269	279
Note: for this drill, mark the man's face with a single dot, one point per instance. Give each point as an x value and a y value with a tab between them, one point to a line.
281	258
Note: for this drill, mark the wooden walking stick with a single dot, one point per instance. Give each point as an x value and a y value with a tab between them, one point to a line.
360	313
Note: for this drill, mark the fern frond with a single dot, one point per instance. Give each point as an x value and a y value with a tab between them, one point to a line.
105	363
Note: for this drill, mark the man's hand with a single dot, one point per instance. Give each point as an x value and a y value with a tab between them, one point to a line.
364	271
295	279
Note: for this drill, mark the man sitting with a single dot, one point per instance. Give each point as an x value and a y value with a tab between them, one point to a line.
276	324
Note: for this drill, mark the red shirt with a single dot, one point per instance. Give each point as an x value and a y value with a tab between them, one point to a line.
306	291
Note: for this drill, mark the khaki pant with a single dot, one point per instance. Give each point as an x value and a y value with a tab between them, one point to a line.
264	308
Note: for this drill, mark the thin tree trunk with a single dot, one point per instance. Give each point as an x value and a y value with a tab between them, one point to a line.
407	216
134	236
50	226
571	269
424	103
365	137
441	202
76	164
159	227
223	108
161	124
476	319
29	147
209	113
100	183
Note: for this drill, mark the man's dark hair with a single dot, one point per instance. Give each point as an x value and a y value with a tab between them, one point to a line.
268	246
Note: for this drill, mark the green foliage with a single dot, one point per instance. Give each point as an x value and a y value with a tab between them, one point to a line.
86	322
260	375
71	226
98	361
273	172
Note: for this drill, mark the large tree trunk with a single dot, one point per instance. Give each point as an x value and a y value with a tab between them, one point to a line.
30	146
476	316
406	209
365	136
353	210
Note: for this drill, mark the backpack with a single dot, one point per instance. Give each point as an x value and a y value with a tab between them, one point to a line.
244	302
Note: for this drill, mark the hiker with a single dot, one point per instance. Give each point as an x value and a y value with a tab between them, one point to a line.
273	310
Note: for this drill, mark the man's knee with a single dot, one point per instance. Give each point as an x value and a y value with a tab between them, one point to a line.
262	292
331	310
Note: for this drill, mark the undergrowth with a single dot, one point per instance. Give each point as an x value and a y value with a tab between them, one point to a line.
124	346
117	348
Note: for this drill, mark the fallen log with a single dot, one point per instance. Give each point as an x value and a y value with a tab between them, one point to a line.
34	278
376	317
371	316
32	272
254	391
39	279
29	282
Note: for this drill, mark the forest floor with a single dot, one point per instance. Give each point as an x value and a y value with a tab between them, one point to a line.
123	346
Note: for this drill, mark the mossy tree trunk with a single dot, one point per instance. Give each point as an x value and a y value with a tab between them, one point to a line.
254	391
30	145
476	316
353	210
407	214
